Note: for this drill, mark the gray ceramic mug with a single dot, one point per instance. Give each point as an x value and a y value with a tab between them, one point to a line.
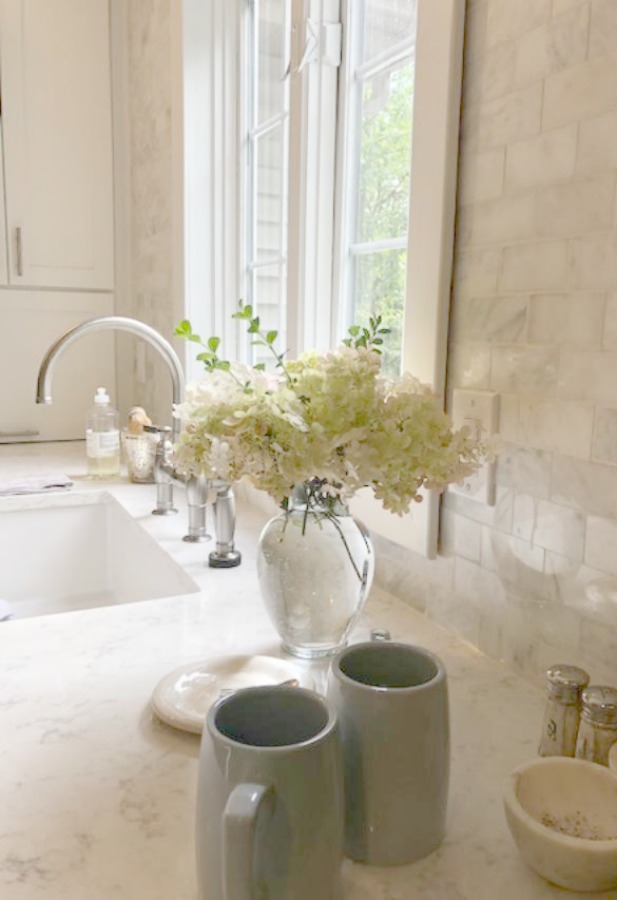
392	703
270	813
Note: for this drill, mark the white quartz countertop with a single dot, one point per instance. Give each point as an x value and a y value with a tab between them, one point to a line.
97	796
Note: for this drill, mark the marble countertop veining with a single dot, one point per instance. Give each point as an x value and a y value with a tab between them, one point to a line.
97	796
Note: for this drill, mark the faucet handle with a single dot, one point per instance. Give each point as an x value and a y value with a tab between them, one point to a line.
164	486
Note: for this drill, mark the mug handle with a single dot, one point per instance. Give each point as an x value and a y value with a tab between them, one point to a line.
244	806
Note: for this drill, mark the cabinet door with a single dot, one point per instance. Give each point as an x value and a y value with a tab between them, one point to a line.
30	321
57	130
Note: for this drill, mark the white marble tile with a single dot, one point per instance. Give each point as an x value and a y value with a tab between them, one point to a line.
593	261
502	319
459	536
508	416
588	375
475	272
574	318
507	21
603	28
588	486
566	427
533	266
512	117
597	144
553	46
505	219
605	436
525	470
480	174
598	647
469	365
524	369
550	526
562	6
576	208
579	93
609	333
600	544
544	159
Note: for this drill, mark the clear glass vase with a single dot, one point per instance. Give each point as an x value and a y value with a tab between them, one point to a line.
315	564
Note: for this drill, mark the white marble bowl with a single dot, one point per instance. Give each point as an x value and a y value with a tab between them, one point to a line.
562	813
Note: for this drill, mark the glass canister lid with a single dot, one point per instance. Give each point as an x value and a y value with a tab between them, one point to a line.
600	705
566	682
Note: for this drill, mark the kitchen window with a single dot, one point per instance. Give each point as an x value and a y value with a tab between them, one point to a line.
332	156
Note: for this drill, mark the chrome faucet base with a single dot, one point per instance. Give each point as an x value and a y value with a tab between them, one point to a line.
165	512
197	538
227	560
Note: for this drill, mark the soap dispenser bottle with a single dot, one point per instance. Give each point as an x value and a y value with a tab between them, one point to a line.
103	438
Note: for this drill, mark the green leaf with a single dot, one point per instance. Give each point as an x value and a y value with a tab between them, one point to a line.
261	367
245	312
271	336
224	364
354	330
204	357
193	337
213	343
254	326
183	327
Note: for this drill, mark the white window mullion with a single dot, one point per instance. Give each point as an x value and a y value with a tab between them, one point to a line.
347	168
210	152
313	106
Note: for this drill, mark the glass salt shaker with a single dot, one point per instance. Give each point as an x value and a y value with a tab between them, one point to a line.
598	728
563	709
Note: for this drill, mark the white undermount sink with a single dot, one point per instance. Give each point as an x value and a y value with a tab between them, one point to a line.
64	552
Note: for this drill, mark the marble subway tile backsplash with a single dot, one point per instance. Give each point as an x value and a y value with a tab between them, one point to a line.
533	579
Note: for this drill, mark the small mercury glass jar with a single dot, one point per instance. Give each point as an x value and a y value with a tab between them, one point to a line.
598	728
563	709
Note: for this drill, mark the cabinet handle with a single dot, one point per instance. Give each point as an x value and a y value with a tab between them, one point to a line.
19	249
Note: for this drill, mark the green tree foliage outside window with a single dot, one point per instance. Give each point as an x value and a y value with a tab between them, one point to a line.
385	157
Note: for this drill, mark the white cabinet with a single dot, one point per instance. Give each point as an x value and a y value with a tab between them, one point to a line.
57	133
31	321
57	206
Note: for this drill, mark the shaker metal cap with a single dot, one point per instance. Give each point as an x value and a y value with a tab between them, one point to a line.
566	681
600	705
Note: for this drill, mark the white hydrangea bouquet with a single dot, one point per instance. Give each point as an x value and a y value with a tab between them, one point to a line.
329	421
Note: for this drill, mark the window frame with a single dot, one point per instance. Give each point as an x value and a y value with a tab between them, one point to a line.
218	226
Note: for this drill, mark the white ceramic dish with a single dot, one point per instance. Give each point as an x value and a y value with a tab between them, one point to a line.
562	814
183	697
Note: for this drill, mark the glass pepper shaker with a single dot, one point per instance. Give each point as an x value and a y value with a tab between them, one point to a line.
598	728
563	709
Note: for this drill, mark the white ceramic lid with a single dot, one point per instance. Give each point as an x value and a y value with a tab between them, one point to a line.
183	697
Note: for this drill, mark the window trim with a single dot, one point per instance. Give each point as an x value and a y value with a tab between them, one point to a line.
430	244
213	220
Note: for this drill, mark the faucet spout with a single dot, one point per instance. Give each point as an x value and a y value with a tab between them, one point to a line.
113	323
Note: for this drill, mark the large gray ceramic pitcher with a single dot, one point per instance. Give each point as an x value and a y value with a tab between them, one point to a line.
270	798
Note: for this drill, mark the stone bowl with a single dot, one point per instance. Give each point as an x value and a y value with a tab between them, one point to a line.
562	814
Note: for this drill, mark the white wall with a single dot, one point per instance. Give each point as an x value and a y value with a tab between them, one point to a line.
152	295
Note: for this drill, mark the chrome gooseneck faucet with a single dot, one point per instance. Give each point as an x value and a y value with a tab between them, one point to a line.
164	472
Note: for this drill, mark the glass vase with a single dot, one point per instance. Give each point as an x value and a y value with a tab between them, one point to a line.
315	564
